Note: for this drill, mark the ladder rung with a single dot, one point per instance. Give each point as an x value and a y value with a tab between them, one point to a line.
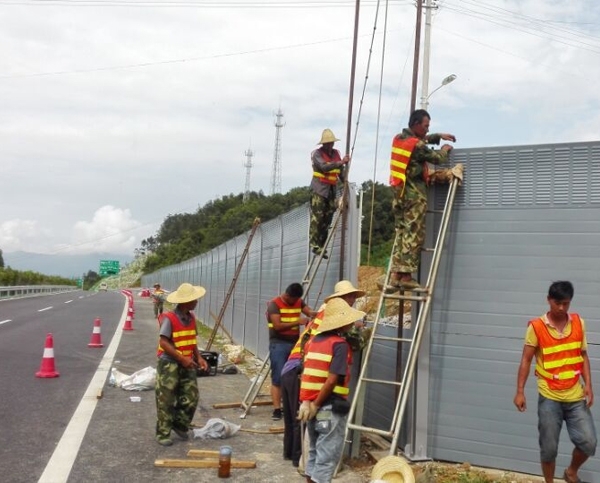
435	211
382	381
359	427
416	298
429	250
393	339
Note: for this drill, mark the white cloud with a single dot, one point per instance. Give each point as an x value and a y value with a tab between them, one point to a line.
18	235
110	230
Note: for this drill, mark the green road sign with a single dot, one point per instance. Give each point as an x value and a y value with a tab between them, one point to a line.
109	267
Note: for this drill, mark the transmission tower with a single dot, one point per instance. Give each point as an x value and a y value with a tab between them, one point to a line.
248	166
276	173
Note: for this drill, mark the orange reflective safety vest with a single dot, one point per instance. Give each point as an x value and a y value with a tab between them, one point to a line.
183	337
310	330
317	360
401	152
561	360
288	314
330	177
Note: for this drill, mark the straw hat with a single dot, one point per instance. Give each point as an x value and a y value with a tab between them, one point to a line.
327	137
344	287
186	293
339	314
393	469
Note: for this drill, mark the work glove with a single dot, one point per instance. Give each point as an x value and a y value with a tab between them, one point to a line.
457	172
308	410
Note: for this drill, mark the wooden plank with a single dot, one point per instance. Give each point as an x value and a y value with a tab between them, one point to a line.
264	431
239	404
203	453
202	463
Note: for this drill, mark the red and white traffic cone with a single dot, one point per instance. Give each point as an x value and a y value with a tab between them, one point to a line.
47	367
128	325
96	340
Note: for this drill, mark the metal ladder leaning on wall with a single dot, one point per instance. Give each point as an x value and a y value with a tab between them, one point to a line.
307	280
424	297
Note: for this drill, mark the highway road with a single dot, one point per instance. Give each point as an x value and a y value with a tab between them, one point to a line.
34	412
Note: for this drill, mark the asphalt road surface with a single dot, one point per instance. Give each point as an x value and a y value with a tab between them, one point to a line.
56	430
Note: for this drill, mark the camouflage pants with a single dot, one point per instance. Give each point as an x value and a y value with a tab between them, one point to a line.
409	211
321	214
176	397
158	308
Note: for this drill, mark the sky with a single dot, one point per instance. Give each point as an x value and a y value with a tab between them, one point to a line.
115	114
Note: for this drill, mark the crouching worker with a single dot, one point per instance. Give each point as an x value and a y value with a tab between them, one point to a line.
324	390
178	359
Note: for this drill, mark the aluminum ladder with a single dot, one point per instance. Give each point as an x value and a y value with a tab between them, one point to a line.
424	297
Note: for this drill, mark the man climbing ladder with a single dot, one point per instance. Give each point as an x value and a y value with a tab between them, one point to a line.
409	178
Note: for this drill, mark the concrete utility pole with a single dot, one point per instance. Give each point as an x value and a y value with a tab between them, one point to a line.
426	52
248	165
276	173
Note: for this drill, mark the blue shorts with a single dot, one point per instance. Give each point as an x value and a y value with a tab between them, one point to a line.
279	351
580	425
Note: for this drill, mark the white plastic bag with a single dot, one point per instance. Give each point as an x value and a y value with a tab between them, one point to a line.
142	380
216	428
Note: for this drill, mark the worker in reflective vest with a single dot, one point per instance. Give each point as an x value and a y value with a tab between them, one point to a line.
328	166
324	390
557	341
178	359
284	316
290	374
409	177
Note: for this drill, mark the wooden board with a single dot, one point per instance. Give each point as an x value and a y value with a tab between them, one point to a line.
206	463
239	404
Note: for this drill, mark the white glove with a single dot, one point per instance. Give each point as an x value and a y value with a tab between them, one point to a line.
308	410
457	171
304	412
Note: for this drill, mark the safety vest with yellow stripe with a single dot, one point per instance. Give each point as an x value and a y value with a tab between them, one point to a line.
561	361
401	152
330	177
182	336
288	315
311	329
317	360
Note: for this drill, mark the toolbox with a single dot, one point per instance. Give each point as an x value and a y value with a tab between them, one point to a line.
213	361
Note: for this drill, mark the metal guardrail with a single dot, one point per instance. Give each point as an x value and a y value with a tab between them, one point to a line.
19	291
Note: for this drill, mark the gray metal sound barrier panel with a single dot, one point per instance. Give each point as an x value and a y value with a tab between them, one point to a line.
526	216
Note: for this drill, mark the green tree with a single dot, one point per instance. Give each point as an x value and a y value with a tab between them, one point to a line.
1	259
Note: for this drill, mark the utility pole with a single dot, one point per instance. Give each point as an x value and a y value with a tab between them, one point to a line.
415	78
276	173
248	165
426	52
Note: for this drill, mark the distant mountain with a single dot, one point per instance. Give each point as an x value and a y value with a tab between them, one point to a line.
60	264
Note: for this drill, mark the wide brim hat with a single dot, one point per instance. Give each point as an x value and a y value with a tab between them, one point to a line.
186	293
393	469
344	287
339	314
156	285
327	137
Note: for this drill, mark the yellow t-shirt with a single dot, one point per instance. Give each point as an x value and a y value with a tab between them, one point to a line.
575	393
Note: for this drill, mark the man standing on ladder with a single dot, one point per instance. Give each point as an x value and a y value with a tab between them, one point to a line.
284	316
409	177
328	168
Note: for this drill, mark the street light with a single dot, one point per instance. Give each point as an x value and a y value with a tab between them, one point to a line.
445	82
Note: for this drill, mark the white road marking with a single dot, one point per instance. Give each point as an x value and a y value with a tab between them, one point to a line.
61	462
68	301
5	321
43	310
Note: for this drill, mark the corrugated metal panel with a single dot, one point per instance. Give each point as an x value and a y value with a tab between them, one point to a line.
534	219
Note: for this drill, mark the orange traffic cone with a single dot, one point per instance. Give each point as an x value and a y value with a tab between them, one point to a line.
96	340
47	367
128	325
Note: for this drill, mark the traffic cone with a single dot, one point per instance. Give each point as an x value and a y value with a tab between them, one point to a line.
128	325
96	340
47	367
